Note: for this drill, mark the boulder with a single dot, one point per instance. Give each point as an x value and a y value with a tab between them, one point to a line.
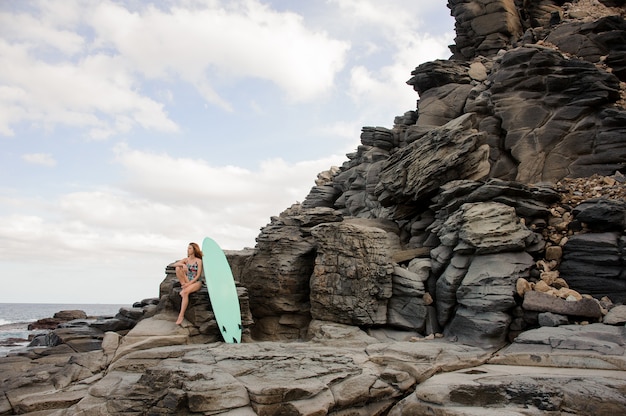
352	278
415	172
616	316
592	263
543	302
602	215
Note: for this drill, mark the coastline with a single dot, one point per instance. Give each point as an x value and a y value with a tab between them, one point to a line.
16	317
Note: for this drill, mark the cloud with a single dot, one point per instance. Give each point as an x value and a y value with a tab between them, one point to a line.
373	86
245	39
89	70
123	234
43	159
161	203
95	93
402	33
132	73
234	194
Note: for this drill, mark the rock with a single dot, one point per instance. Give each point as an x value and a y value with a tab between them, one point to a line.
321	196
437	73
299	378
448	284
113	324
594	346
537	136
70	315
441	105
278	273
542	302
57	319
484	30
554	253
496	390
543	287
491	228
352	278
616	316
522	286
335	334
552	319
407	306
484	296
592	263
592	40
450	152
602	215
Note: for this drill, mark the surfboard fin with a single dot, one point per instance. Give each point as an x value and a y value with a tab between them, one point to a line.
224	328
235	340
240	327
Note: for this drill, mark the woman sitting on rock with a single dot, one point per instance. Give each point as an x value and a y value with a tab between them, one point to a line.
189	272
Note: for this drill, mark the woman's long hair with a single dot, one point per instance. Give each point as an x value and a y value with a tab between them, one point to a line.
196	250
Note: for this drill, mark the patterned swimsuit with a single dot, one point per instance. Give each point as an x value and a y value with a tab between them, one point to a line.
192	270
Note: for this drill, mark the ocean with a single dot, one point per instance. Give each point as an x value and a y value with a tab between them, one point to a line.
15	317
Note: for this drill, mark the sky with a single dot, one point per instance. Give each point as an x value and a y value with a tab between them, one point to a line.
130	128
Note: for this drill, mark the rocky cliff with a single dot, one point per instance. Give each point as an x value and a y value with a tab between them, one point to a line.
429	225
468	260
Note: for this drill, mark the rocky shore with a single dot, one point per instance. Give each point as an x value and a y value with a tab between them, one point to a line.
470	260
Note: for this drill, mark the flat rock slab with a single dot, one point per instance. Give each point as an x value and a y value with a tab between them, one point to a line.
515	390
272	378
595	346
543	302
616	316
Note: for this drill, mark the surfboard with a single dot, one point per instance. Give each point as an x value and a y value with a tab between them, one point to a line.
222	291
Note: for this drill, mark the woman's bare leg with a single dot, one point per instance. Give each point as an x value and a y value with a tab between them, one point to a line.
183	307
180	274
194	287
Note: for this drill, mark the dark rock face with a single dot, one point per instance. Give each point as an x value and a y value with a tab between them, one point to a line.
538	96
468	181
416	171
594	263
602	215
277	274
352	278
484	28
596	41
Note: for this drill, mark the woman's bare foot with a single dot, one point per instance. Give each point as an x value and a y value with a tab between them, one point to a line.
179	320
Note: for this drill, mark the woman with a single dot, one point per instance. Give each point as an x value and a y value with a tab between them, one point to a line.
189	272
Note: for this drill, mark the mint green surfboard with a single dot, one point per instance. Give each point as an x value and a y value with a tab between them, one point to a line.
222	291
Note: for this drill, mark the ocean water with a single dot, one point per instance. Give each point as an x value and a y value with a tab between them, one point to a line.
15	317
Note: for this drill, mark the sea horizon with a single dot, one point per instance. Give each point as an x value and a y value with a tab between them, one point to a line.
15	317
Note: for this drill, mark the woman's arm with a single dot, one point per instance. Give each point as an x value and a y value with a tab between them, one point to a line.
180	262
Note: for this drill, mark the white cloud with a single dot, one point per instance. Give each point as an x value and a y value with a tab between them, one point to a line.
244	39
400	29
43	159
56	74
244	196
124	68
373	86
35	32
93	93
136	228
